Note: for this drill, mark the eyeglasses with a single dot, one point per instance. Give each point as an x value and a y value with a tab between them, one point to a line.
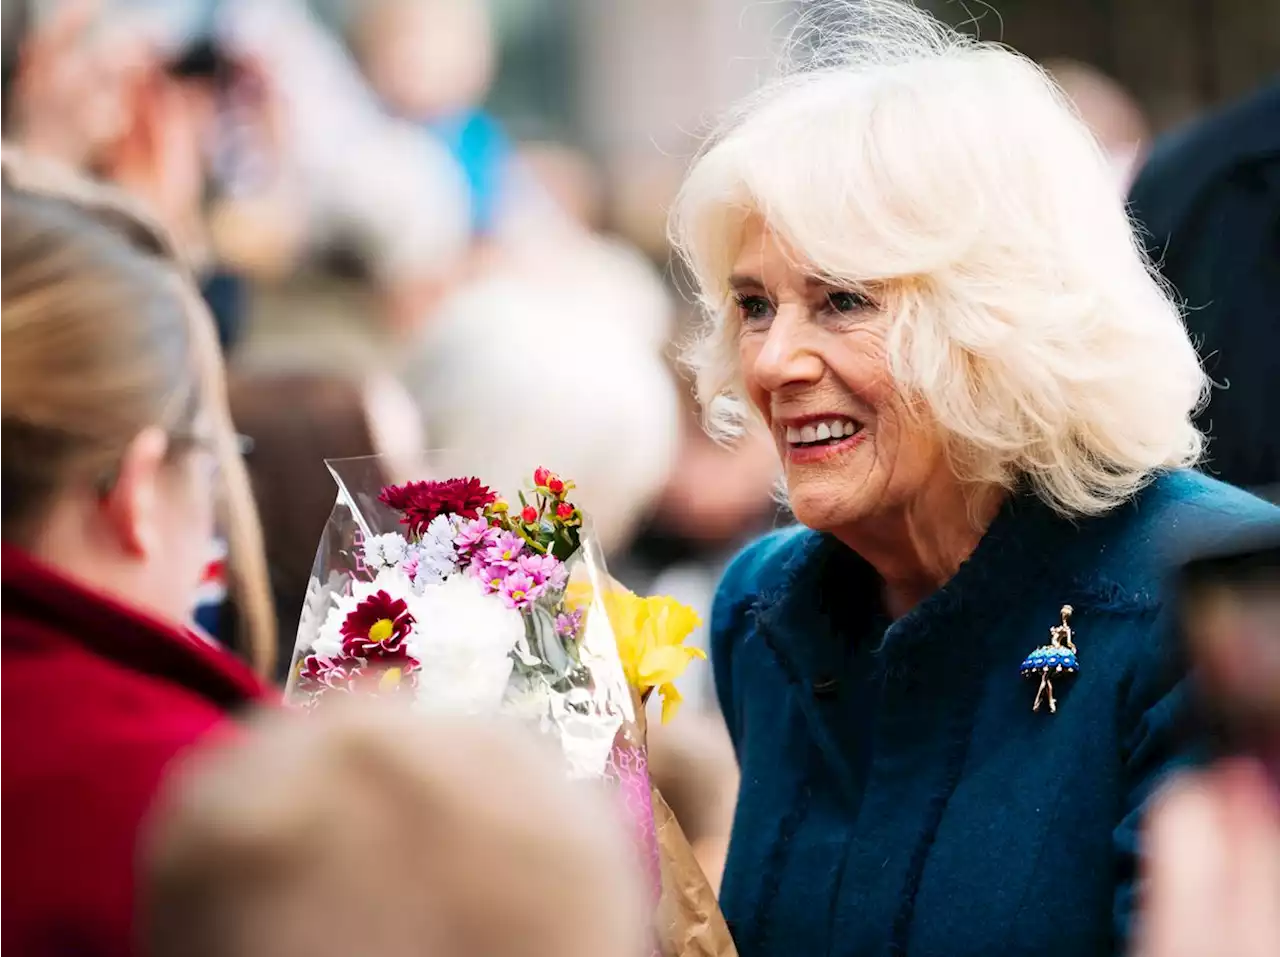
180	442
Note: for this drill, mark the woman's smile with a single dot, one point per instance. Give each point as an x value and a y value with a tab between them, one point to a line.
806	440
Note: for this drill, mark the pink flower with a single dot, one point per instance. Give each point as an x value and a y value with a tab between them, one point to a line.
474	536
546	570
505	550
568	623
491	575
519	590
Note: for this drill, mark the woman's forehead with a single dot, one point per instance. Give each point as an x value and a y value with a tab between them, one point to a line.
765	257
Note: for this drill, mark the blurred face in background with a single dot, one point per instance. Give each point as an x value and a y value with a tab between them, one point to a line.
427	59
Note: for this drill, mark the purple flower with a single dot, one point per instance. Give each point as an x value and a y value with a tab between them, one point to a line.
568	623
474	535
519	590
544	570
505	550
491	575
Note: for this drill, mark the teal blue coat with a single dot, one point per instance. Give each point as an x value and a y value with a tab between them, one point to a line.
899	795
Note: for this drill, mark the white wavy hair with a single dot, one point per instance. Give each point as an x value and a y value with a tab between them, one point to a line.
953	176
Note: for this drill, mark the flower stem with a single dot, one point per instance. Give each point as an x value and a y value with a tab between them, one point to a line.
528	539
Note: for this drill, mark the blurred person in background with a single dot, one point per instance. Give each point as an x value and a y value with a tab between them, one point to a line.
1111	113
556	362
983	404
295	421
14	26
432	62
1208	204
117	447
570	178
168	111
364	830
374	186
718	496
691	763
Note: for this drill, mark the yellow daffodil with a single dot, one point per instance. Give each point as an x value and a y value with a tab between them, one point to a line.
650	634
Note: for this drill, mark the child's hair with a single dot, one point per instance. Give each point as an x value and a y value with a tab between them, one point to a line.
105	335
363	829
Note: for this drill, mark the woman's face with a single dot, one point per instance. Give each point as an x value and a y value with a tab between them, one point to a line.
814	365
183	519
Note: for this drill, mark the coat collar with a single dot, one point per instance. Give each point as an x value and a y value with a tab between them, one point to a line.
825	596
43	607
821	573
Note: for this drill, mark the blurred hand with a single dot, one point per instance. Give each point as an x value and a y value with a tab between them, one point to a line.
1213	867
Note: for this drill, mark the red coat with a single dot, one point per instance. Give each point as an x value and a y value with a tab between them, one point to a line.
97	700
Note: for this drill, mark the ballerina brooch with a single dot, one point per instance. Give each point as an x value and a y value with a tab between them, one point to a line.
1057	658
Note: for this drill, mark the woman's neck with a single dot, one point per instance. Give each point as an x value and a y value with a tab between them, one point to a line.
917	549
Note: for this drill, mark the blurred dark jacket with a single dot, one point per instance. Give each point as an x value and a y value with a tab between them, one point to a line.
227	296
1209	200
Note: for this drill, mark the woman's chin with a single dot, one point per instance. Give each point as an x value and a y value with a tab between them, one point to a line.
825	510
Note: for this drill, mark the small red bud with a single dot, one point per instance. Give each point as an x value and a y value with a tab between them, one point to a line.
541	476
555	485
564	510
529	514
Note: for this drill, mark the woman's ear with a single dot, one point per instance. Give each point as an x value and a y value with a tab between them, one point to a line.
132	505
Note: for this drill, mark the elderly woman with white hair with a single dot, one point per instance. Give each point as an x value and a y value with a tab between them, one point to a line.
951	688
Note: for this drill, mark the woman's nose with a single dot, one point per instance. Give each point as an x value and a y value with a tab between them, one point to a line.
787	357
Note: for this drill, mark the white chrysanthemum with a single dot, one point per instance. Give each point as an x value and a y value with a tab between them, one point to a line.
463	639
384	550
393	581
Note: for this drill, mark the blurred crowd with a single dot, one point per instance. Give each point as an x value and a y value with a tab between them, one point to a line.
360	224
392	272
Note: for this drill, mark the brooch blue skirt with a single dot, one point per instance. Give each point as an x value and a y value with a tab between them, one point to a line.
1049	660
1056	659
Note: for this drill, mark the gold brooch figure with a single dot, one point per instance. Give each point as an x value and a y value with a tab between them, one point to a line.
1058	657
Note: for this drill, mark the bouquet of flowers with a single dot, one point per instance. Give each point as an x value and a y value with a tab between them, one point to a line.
458	600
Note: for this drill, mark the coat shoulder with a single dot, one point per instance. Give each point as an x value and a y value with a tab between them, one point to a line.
759	570
1128	553
1186	512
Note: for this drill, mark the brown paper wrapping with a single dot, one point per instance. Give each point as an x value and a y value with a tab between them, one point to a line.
689	920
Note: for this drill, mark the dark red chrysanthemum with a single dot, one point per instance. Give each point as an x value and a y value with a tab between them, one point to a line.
419	502
317	675
386	672
379	623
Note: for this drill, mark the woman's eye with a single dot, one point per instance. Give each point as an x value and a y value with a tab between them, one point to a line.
845	301
754	308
